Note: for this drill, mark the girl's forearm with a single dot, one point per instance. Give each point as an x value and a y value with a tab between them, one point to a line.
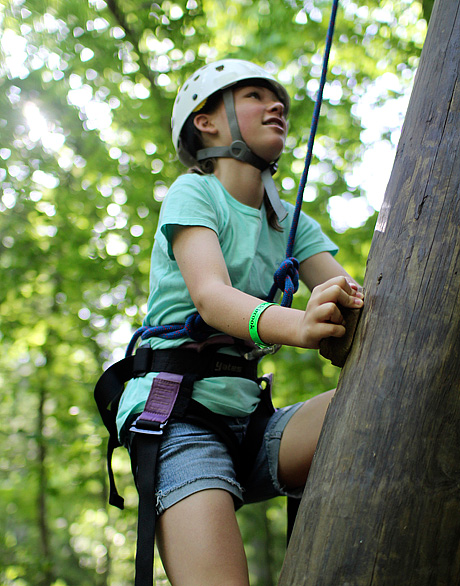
228	310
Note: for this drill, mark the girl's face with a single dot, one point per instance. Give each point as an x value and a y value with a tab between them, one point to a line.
261	120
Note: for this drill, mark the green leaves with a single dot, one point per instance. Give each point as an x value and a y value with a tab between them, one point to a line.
86	93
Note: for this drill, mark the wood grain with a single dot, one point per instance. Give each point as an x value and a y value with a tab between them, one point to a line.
382	502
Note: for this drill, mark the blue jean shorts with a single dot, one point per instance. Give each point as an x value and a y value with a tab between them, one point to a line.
192	459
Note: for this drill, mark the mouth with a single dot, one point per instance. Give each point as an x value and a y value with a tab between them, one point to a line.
275	122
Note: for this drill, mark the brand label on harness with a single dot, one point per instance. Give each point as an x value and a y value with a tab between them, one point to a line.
222	367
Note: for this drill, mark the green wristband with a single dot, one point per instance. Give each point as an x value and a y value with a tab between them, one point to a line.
254	320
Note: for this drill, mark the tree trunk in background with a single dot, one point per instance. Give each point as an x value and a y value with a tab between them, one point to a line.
42	510
382	503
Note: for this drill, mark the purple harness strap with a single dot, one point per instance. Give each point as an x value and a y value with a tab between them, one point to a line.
160	403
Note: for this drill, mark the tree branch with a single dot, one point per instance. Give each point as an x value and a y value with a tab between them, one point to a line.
132	37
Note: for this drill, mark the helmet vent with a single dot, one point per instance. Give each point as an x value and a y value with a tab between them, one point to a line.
194	97
220	68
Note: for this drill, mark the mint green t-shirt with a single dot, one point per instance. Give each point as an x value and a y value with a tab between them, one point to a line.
252	252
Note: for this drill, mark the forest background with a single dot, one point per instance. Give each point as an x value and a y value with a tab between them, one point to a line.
86	92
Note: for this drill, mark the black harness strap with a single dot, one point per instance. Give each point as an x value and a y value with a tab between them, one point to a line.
253	442
258	422
148	431
204	364
107	394
293	505
146	450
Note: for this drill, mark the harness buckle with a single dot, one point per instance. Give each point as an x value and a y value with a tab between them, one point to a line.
257	353
147	427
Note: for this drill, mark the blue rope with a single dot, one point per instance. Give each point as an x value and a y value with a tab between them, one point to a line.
314	126
195	327
286	277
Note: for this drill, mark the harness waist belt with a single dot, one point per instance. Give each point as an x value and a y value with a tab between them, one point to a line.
205	364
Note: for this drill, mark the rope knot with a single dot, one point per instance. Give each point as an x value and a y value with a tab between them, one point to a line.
288	269
286	278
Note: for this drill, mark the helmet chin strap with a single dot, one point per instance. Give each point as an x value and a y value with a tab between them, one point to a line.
240	151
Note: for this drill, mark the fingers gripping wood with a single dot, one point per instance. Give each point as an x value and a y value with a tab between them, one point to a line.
337	349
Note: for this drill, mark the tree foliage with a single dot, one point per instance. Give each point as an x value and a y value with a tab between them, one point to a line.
85	160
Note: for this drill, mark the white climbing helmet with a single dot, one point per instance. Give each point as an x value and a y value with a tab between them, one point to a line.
208	80
205	82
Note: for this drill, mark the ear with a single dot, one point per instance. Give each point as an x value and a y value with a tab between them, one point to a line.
204	123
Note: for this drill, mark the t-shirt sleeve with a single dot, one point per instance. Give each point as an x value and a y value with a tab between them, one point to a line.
187	203
311	240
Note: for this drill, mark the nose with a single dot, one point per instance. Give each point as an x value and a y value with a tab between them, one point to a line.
277	106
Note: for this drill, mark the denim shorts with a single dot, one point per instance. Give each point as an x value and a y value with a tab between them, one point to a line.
192	459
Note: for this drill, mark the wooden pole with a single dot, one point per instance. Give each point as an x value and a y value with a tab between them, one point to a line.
382	502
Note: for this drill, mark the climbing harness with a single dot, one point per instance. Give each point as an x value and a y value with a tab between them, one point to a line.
170	397
171	392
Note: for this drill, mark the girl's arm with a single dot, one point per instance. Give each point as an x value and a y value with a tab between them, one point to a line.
320	268
201	262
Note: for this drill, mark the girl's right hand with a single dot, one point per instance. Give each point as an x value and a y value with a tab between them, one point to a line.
322	317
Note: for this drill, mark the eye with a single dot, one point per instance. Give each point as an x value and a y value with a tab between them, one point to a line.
254	94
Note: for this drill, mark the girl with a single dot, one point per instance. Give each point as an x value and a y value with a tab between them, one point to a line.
221	235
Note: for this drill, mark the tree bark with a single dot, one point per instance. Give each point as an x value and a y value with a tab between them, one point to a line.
382	502
42	509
